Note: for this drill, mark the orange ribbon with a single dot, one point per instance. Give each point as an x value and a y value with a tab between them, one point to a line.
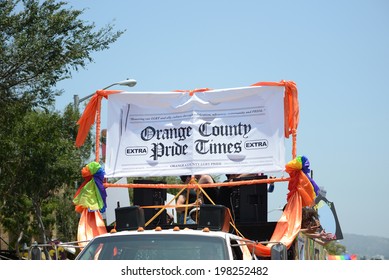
191	92
291	105
89	115
90	225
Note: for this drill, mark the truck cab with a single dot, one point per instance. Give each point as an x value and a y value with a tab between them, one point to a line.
167	244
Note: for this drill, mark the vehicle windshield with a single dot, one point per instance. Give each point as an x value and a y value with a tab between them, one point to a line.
156	247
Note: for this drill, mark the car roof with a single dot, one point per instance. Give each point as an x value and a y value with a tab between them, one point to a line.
185	231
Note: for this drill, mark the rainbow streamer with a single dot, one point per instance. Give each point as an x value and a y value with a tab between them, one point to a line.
342	257
91	194
302	163
305	168
298	169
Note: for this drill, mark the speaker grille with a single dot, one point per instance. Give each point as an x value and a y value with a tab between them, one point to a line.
129	218
214	217
249	202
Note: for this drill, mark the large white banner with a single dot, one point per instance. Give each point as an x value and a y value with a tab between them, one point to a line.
225	131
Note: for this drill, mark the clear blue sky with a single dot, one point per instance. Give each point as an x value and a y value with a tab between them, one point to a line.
337	52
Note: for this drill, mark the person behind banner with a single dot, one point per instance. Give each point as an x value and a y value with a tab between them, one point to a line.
194	200
311	227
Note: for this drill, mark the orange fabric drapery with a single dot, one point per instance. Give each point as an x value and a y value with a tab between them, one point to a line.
301	193
91	224
191	92
291	105
89	115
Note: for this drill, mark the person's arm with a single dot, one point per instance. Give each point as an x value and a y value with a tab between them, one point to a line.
181	205
320	237
310	229
180	201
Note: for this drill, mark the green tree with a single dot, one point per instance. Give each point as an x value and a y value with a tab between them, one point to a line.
335	248
47	164
41	43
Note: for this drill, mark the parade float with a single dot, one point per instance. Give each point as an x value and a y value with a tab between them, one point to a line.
202	131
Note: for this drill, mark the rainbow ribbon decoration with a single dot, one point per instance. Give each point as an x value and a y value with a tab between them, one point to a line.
303	183
305	168
302	192
343	257
91	194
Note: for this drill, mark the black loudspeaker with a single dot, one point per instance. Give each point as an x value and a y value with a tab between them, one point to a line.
228	197
151	197
249	202
129	218
252	201
214	217
213	194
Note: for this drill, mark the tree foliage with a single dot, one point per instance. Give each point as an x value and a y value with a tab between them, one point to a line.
335	248
41	43
46	165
